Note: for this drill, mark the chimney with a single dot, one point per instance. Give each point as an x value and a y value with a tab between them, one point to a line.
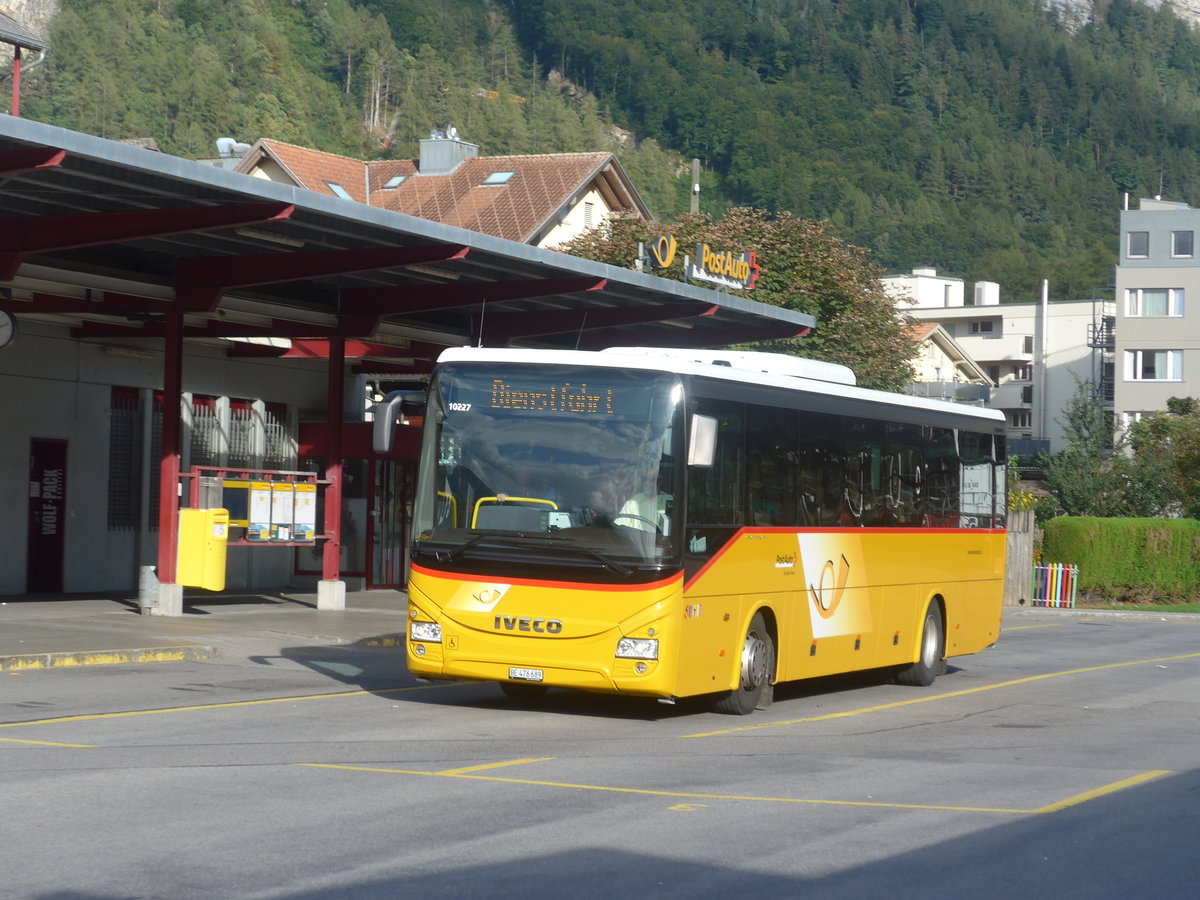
442	155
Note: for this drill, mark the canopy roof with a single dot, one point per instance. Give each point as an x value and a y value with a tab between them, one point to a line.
112	237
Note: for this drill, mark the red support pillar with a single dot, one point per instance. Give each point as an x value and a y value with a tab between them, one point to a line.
16	79
331	592
170	594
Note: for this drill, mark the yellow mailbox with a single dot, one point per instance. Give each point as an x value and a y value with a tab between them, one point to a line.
203	537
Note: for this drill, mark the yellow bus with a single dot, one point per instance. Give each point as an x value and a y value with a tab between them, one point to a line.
675	523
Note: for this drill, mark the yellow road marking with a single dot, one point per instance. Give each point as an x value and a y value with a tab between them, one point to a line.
688	795
233	704
1102	791
47	743
499	765
930	699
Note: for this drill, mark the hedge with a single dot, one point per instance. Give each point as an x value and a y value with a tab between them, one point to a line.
1128	560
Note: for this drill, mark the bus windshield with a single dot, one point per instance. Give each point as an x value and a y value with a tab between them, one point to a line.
560	466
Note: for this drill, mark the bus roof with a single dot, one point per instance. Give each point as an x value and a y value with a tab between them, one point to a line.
757	368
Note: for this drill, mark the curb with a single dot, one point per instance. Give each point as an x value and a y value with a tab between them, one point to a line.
25	662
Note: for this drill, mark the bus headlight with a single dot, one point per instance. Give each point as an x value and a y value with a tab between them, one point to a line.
429	632
637	648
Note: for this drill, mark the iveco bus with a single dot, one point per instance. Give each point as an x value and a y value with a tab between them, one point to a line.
670	523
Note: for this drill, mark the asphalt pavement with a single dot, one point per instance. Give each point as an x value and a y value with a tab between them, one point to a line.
90	630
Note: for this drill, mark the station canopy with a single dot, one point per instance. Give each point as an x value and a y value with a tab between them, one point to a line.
112	238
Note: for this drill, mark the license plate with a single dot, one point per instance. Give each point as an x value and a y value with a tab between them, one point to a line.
525	674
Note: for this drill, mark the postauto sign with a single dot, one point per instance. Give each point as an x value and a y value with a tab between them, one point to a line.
721	267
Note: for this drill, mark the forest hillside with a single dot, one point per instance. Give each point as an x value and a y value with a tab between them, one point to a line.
993	139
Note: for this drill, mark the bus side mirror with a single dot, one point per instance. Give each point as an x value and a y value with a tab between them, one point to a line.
702	445
387	413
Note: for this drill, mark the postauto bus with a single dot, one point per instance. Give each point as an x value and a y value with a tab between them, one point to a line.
668	524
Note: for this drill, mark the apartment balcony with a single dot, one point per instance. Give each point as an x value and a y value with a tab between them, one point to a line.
1026	447
1005	348
1102	335
1103	391
1012	395
952	391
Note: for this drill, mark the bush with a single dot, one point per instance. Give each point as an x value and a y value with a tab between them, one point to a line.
1128	560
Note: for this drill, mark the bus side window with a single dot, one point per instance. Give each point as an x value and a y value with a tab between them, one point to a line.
903	477
863	501
716	493
1000	480
942	478
772	479
975	459
819	459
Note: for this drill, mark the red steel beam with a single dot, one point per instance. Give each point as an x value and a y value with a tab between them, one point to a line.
30	159
43	234
202	280
331	553
406	299
416	367
168	469
359	326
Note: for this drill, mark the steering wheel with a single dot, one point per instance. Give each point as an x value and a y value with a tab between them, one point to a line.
649	522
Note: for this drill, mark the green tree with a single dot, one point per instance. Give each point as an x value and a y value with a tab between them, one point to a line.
1101	473
804	267
1172	441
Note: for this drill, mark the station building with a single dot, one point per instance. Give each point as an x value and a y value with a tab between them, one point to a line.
164	322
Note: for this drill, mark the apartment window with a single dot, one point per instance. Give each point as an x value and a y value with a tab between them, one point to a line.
1021	418
982	327
1146	302
1027	394
589	212
1028	343
1022	373
1138	246
1181	243
1153	365
1129	418
994	374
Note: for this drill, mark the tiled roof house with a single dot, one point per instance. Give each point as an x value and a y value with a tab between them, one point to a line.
542	199
942	368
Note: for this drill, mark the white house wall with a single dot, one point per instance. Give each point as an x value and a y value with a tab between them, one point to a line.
56	387
574	222
1158	268
1008	347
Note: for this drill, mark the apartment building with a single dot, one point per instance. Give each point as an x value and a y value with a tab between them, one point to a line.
1157	335
1034	353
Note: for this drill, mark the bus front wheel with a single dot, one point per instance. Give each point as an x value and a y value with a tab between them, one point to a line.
925	669
755	672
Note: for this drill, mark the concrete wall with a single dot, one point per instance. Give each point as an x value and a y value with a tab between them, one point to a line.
54	386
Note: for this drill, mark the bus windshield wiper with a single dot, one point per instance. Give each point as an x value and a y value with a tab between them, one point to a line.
523	539
594	554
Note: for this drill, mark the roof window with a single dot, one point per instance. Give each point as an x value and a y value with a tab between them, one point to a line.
338	190
499	178
394	182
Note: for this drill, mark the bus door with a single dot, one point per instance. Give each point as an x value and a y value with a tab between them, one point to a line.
388	522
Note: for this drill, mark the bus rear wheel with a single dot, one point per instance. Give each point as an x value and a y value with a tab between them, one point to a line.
925	669
756	671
